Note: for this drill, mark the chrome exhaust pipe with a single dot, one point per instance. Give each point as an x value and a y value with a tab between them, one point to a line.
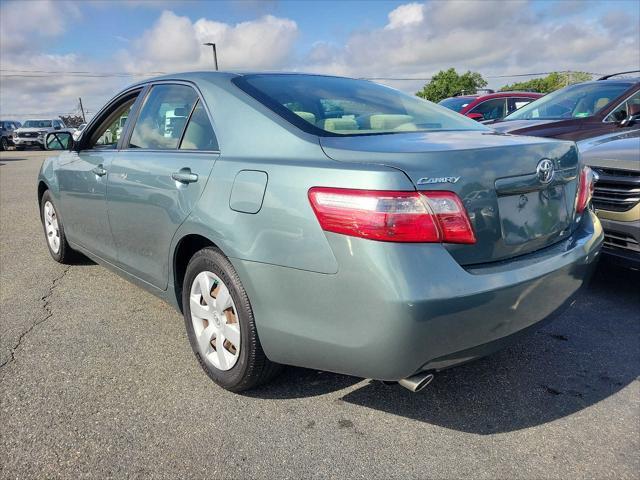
416	382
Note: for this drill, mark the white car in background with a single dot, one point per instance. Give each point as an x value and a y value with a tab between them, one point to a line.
33	132
78	133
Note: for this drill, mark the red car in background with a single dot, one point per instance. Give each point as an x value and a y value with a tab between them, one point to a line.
489	106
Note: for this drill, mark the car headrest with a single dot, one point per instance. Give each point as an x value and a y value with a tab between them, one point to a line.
180	112
389	121
337	124
634	108
308	116
601	103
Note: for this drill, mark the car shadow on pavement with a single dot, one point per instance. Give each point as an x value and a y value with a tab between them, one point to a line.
588	354
10	159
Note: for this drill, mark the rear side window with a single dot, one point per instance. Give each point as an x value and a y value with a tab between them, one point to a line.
163	117
199	133
490	109
630	106
514	103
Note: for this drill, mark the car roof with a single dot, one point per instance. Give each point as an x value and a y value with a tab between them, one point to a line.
222	76
496	94
622	81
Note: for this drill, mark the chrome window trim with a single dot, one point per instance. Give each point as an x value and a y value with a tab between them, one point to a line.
604	120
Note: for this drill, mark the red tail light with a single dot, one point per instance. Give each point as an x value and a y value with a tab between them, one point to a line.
391	216
586	186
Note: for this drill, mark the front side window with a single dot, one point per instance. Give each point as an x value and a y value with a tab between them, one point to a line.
490	109
575	101
163	117
336	106
630	105
107	134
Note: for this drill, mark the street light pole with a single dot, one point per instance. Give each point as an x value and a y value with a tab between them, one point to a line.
215	54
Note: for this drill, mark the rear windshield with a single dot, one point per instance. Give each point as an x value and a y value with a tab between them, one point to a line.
37	124
575	101
456	103
342	106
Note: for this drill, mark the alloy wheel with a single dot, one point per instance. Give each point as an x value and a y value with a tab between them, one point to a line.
215	321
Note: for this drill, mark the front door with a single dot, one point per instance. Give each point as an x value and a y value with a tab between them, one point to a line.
83	178
157	178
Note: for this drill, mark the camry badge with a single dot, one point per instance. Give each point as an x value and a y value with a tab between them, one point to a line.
545	170
427	180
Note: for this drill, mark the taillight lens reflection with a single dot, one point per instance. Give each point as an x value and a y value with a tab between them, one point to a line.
586	186
392	216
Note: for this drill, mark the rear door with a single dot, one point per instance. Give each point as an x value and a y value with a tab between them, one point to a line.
157	178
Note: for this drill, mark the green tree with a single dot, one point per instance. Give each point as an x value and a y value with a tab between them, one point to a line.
551	82
447	83
72	120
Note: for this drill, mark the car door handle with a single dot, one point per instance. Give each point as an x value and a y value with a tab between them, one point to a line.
99	171
184	175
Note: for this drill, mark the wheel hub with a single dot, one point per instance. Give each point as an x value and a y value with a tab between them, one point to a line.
51	226
215	321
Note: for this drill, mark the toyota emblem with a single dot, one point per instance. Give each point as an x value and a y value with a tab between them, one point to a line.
545	170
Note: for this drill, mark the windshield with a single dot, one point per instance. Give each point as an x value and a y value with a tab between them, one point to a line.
456	103
342	106
37	124
574	101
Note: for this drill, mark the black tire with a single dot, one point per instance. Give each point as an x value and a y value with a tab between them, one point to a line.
4	144
65	253
252	367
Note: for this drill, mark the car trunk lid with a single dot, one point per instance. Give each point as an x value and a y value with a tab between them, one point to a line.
512	211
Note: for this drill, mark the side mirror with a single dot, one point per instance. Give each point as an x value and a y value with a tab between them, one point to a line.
630	120
57	127
58	141
475	116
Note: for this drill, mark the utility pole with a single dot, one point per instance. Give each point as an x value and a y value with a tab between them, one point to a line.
82	110
215	53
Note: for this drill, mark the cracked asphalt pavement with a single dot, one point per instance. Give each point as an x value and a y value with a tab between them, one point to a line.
97	380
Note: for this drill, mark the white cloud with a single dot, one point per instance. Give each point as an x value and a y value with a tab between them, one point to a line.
493	37
25	25
405	15
175	43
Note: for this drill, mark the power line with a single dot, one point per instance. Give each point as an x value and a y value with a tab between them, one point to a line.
9	73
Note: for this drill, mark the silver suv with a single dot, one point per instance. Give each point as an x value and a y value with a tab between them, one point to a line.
33	132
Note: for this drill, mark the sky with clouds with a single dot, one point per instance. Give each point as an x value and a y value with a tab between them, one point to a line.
54	51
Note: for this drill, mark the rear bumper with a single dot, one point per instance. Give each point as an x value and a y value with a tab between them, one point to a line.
395	309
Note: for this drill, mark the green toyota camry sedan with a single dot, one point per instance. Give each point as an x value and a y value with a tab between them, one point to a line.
322	222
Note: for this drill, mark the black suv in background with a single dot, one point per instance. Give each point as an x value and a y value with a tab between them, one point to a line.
579	111
6	133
